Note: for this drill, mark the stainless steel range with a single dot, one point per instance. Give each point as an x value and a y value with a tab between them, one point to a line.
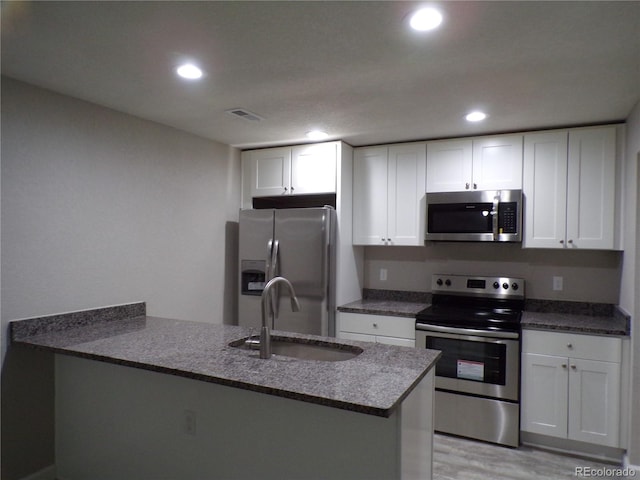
475	322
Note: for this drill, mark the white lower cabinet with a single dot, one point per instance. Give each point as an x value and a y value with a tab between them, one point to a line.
571	386
377	328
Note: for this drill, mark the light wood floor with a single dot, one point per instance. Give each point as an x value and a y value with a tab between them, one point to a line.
460	459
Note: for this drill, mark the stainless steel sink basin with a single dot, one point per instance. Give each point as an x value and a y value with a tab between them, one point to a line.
302	349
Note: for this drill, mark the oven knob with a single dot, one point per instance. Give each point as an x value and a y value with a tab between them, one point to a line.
439	282
505	286
514	286
496	285
447	282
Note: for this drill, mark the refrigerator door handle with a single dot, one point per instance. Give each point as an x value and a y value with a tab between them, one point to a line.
269	272
275	292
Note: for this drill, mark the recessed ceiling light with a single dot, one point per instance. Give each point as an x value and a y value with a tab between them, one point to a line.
475	116
425	19
317	135
189	71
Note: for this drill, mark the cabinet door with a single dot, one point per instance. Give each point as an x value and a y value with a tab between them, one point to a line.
497	163
398	342
406	194
270	171
545	189
591	188
449	165
370	196
544	394
313	168
594	402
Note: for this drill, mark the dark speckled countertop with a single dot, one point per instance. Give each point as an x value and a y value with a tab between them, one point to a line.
375	382
554	315
395	303
566	322
392	308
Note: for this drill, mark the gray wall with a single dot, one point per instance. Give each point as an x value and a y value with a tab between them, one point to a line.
102	208
587	276
630	291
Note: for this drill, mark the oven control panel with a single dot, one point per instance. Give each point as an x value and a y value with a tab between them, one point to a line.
500	287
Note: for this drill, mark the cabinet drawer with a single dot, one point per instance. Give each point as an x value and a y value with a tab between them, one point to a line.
402	327
359	337
574	345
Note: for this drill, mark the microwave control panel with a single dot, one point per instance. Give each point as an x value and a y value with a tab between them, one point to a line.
508	217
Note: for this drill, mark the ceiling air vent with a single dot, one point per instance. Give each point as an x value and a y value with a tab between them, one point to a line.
244	114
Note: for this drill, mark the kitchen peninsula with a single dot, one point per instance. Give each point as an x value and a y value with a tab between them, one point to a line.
173	415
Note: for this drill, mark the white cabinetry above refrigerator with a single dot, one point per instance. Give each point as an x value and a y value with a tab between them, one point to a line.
299	170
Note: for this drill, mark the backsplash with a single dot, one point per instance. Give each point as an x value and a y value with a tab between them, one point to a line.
396	295
587	276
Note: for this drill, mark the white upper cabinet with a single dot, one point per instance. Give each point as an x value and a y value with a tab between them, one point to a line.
269	171
449	165
483	163
591	188
389	195
313	168
296	170
569	186
497	163
545	189
370	167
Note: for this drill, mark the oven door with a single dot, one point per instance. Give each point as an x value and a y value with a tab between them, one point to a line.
476	362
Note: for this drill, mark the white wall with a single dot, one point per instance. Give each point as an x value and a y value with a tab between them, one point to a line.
102	208
238	434
630	289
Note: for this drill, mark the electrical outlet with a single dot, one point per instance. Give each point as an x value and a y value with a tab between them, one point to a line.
189	422
383	274
557	283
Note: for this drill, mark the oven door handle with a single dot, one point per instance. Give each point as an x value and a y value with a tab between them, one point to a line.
467	331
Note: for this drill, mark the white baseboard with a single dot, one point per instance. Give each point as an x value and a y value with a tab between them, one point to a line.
47	473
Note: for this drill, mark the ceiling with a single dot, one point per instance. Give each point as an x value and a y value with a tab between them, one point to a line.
351	68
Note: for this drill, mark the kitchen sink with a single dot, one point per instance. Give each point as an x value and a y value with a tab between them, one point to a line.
302	349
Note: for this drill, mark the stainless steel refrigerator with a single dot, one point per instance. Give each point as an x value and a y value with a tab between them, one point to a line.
298	244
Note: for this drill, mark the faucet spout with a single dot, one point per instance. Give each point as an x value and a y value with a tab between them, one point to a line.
265	331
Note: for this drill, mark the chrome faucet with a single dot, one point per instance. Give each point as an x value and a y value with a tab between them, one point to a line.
265	332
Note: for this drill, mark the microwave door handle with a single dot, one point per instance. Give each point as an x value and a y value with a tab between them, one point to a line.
494	215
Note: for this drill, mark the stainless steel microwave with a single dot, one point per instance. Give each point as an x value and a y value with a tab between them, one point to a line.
475	216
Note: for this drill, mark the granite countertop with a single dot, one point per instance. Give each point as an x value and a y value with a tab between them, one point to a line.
555	315
375	382
575	323
396	303
396	308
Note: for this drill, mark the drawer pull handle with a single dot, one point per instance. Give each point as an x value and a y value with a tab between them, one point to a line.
569	345
564	365
573	367
375	325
